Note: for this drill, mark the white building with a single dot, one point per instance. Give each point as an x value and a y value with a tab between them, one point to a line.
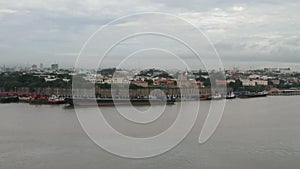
261	82
285	70
254	82
247	82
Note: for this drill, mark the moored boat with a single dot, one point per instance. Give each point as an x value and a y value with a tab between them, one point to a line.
56	100
215	96
230	95
8	97
204	96
115	102
25	98
47	100
253	94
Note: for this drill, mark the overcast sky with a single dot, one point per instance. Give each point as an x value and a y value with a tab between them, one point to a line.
35	31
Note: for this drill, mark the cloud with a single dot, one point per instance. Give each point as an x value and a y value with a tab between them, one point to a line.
7	11
67	54
266	28
238	8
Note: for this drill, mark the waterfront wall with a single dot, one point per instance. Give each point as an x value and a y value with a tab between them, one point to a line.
66	92
286	93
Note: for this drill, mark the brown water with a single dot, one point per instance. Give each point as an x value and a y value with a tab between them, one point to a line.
260	133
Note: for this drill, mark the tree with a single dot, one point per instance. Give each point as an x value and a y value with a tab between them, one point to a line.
149	81
237	85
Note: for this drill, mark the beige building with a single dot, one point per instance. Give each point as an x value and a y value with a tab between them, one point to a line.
140	83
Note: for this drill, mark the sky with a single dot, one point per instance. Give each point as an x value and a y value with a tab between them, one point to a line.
256	31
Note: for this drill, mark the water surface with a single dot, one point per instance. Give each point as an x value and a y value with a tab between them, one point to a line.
260	133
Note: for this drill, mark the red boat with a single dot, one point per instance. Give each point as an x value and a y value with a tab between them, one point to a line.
48	100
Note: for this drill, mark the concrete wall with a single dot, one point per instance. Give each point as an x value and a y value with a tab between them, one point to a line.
107	92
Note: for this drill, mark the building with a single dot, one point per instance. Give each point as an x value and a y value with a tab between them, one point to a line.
276	82
140	83
254	76
254	82
261	82
285	70
183	80
200	84
3	69
160	82
270	69
118	80
54	67
164	82
34	67
230	80
221	82
247	82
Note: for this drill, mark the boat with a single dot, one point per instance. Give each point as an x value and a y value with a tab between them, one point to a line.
56	100
215	96
191	97
39	100
204	96
253	94
8	97
25	98
230	95
48	100
113	102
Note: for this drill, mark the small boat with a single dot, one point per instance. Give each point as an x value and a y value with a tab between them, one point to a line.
25	98
215	96
39	100
230	95
56	100
204	96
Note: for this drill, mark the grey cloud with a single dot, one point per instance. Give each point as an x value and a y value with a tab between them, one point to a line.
261	29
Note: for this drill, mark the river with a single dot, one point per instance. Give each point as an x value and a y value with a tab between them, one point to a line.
258	133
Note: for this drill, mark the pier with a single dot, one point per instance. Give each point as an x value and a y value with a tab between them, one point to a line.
107	93
285	93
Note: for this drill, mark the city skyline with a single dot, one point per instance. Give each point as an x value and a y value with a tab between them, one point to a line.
242	66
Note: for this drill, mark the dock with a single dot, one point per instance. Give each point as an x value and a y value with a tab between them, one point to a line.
286	93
